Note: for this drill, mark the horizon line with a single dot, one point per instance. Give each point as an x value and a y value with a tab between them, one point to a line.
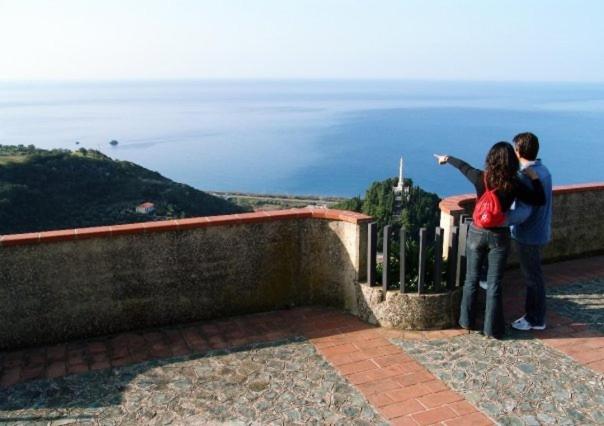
288	79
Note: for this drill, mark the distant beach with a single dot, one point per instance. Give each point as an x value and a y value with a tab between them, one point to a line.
308	137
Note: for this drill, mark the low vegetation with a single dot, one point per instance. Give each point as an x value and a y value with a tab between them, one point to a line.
58	189
418	209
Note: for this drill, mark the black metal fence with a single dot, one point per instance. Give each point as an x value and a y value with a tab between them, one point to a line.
442	276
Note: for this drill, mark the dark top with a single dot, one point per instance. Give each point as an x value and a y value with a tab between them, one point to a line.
534	195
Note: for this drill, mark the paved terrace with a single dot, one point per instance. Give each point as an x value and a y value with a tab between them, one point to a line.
323	366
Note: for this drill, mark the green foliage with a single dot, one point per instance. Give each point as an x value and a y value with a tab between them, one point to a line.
419	209
57	189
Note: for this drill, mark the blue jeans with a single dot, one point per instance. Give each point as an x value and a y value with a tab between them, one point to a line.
494	246
529	257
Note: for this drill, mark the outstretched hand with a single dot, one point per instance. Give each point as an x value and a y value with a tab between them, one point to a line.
442	159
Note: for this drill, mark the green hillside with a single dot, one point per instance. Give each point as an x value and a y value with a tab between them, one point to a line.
58	189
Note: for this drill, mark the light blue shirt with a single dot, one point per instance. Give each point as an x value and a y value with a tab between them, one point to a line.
533	224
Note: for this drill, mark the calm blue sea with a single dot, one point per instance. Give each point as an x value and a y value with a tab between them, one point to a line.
309	137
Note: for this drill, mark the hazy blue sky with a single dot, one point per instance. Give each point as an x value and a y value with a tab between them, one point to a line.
543	40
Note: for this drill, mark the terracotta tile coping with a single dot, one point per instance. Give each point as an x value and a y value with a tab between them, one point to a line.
457	203
181	224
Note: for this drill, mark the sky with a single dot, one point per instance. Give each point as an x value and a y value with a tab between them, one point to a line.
492	40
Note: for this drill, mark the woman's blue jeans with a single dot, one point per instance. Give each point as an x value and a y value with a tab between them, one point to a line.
494	246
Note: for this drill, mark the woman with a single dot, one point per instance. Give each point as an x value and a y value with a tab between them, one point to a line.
493	243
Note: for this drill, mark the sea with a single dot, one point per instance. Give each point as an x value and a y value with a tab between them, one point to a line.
311	137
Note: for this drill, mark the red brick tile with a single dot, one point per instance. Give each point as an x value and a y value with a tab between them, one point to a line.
339	349
381	351
14	359
342	359
154	337
62	235
100	365
473	419
397	358
180	349
379	399
462	408
10	377
400	409
98	357
56	369
357	367
217	342
118	362
92	232
373	343
403	421
410	379
409	392
138	355
436	385
588	356
434	415
160	350
440	398
130	228
77	369
137	342
97	347
597	366
20	239
378	386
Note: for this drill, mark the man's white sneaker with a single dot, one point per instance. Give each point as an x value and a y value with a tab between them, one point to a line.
483	284
523	325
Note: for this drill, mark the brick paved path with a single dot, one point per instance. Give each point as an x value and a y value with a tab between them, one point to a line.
208	372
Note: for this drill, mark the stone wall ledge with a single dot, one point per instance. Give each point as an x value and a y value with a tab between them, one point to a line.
458	203
181	224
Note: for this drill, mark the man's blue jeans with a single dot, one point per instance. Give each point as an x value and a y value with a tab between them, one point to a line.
529	256
492	245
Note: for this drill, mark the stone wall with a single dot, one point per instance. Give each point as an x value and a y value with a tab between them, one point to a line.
577	223
61	285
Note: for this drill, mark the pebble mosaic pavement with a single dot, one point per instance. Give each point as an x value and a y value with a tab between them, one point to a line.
321	366
281	383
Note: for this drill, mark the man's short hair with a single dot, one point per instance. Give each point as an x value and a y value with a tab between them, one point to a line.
527	145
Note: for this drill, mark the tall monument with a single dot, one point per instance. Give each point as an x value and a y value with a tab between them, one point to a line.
401	187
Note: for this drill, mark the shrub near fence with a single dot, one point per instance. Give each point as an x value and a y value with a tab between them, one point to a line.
419	290
425	270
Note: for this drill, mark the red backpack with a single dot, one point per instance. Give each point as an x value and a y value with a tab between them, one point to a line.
487	213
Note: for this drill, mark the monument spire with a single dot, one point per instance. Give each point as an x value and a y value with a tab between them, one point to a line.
400	174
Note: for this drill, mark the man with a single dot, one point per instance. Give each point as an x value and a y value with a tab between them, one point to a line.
531	235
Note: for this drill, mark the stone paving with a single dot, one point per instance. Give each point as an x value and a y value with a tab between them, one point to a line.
280	383
322	366
516	381
581	301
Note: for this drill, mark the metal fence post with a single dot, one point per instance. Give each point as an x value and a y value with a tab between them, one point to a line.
403	238
386	259
371	252
461	252
452	257
421	265
438	258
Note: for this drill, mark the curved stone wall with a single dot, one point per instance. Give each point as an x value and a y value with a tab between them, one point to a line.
577	223
61	285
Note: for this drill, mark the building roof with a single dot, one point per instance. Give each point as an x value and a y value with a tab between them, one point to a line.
146	205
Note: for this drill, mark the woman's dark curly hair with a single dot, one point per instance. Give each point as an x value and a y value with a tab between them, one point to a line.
501	166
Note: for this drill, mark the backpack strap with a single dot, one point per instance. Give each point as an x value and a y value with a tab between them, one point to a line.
484	180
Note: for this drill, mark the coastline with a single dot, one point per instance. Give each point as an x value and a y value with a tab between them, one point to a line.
258	202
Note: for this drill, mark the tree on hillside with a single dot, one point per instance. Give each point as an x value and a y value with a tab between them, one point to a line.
419	210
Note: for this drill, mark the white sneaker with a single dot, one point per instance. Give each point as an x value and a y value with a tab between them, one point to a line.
483	285
523	325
